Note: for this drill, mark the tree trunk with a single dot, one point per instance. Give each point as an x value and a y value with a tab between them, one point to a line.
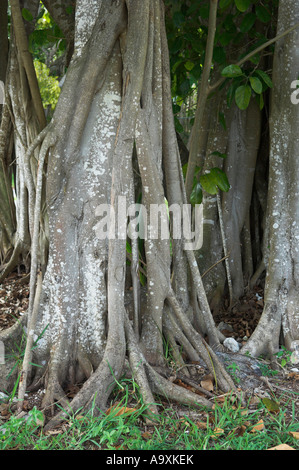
116	98
280	314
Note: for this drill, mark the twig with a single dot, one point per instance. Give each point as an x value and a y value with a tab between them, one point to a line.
215	264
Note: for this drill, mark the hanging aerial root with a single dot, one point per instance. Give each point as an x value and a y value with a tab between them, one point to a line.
35	279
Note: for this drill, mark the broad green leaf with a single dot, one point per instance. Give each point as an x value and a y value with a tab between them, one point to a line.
256	85
208	184
189	65
196	195
247	22
214	180
242	5
220	179
232	71
260	101
267	80
224	3
263	13
27	15
242	96
232	89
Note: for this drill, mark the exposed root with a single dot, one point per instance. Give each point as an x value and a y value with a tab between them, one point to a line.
54	395
13	262
173	392
137	366
207	354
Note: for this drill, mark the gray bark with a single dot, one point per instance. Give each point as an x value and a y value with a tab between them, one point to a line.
281	291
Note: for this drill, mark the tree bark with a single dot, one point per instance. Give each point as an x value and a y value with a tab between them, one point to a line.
280	314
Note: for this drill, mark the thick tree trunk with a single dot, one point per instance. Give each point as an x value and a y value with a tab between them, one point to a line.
281	293
116	96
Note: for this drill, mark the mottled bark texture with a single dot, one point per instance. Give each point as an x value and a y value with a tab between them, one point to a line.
281	314
115	104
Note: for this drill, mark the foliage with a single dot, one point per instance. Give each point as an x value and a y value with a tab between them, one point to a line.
237	25
49	86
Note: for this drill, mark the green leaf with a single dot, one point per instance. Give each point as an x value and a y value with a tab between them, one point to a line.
214	180
247	22
219	154
266	79
242	96
260	101
263	14
208	184
27	15
220	179
232	71
256	85
196	195
271	405
189	65
242	5
224	3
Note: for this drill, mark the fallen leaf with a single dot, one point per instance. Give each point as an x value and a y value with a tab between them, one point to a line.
271	405
120	411
282	447
294	434
207	385
217	432
259	426
201	425
239	431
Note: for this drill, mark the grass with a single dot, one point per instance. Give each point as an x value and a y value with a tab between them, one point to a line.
229	426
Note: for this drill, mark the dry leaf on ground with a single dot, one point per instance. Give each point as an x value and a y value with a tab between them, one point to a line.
282	447
259	426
